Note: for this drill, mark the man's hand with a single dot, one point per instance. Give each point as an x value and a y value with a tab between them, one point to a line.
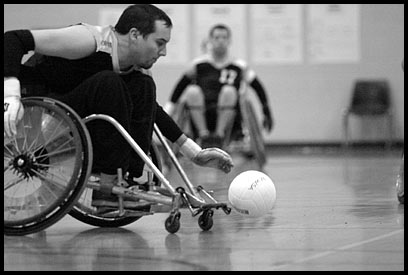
210	157
13	108
215	158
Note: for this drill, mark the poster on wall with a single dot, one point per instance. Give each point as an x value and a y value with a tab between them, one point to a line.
208	15
333	33
276	33
178	48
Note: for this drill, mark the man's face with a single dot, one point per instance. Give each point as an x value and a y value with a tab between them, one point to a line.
147	50
220	41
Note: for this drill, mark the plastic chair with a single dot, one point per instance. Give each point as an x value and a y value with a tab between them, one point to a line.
370	98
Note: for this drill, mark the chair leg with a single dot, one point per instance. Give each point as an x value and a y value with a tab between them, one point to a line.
345	132
390	131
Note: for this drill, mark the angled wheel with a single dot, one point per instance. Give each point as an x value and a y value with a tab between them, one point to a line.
46	166
400	182
172	223
205	221
254	131
85	212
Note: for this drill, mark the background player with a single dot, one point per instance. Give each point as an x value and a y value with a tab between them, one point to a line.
211	89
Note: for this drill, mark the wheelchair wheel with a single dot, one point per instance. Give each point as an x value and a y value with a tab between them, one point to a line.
400	182
255	135
46	166
85	212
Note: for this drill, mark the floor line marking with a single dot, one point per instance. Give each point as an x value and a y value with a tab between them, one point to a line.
342	248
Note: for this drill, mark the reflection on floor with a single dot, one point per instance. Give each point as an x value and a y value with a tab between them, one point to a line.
333	212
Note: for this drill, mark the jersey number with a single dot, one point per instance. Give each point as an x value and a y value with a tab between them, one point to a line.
228	77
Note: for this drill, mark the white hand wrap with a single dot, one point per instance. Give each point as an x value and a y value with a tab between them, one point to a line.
13	109
11	87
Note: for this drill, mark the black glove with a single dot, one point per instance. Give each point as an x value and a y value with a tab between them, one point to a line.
268	121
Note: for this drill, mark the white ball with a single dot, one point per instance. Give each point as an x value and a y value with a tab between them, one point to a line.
252	193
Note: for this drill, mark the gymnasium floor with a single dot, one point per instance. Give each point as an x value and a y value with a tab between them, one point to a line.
333	212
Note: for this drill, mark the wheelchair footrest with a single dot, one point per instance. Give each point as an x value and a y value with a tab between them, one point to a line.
141	206
112	213
162	191
209	206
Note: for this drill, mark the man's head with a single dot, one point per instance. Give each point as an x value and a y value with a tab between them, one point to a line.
219	39
146	30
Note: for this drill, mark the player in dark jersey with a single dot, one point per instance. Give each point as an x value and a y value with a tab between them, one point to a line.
211	88
101	70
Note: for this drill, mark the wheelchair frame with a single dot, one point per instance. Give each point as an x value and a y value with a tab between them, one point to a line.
30	168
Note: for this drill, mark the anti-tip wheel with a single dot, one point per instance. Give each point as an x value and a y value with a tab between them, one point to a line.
172	223
205	221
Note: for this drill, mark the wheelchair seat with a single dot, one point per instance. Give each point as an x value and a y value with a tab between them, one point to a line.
233	133
243	135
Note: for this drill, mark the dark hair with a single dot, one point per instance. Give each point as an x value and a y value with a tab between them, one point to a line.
222	27
143	18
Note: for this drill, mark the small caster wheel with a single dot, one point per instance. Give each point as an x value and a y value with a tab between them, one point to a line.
172	223
227	210
400	188
205	221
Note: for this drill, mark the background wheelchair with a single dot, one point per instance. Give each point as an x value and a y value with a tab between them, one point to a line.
48	174
243	135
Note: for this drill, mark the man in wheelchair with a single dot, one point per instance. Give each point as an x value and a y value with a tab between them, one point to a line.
210	89
102	70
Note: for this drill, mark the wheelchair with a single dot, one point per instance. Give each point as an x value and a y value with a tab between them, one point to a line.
48	174
244	135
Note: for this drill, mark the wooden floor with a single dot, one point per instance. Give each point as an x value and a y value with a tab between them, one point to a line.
333	212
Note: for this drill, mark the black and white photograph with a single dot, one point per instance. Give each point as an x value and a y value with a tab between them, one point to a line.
204	137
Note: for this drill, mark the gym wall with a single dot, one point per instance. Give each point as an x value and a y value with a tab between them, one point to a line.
306	98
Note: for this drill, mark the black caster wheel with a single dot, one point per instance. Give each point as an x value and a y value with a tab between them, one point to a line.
205	221
172	223
227	210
